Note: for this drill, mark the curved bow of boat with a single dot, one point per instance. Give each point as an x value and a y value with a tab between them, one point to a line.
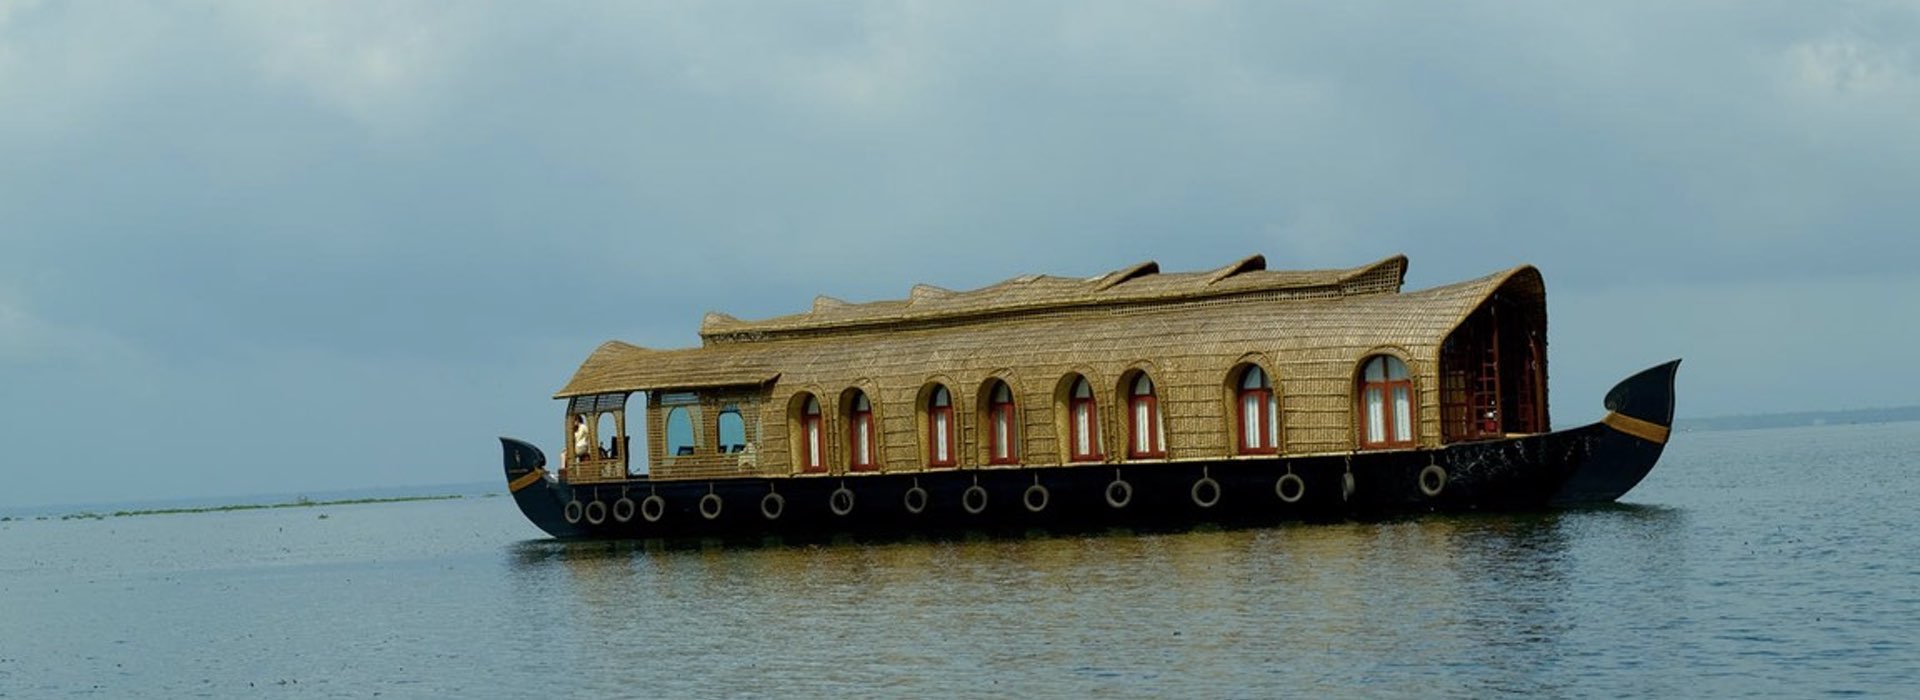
1626	443
532	490
1646	396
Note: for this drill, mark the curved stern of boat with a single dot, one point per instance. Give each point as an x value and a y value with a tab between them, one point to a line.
1628	441
532	490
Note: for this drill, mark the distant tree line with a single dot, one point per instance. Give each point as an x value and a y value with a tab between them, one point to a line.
1793	420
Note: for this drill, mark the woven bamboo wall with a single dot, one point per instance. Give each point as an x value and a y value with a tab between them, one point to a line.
1310	344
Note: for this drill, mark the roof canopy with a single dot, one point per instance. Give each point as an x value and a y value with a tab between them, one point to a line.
1142	283
621	367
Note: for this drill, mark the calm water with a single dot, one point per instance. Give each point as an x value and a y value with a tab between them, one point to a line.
1777	562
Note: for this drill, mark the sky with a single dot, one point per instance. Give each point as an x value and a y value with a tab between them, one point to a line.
262	247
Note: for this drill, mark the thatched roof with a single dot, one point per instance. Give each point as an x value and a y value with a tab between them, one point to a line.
1134	285
620	367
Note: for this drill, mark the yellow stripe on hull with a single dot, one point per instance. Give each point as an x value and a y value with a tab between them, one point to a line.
529	479
1650	432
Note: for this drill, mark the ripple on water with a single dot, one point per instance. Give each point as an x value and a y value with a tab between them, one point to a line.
1766	563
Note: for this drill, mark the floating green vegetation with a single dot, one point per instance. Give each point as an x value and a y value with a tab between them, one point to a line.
301	502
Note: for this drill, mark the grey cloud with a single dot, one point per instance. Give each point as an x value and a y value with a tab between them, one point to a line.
396	218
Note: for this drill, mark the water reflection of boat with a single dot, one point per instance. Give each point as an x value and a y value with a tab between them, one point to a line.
1237	395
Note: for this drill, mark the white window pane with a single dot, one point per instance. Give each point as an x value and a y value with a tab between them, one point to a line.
1376	369
1376	416
1082	430
1396	369
1250	421
860	426
813	443
1000	435
1273	421
1140	426
1402	414
1081	390
940	437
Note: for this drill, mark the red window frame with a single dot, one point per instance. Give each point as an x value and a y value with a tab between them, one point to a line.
1263	418
813	436
935	416
1000	420
1389	417
1150	401
858	419
1074	403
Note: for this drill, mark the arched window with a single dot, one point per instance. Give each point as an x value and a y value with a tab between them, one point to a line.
1083	422
860	433
679	432
1003	435
607	430
1386	403
813	447
940	428
733	431
1259	424
1147	437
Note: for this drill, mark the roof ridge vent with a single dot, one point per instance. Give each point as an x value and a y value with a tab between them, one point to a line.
715	318
1117	277
1250	263
824	302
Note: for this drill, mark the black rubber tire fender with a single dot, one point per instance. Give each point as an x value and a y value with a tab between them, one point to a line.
840	501
1027	498
972	494
1205	483
1298	489
1433	480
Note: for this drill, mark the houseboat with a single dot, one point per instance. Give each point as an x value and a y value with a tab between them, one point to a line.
1239	395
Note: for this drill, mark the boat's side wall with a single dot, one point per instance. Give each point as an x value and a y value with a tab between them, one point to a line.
1192	359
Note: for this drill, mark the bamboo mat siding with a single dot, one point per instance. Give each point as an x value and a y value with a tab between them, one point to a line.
1310	341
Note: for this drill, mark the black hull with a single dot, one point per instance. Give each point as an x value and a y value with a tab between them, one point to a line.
1595	463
